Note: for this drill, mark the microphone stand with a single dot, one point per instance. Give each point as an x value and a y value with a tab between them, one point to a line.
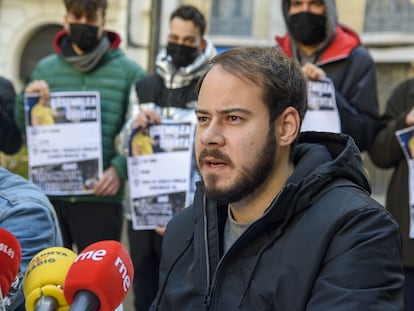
2	306
46	303
85	301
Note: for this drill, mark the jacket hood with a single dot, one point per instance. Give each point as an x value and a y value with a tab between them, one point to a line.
323	157
322	161
62	35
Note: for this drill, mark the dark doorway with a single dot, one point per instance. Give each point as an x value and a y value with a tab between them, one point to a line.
37	47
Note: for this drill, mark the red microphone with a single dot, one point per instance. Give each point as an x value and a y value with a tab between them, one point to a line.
100	277
10	257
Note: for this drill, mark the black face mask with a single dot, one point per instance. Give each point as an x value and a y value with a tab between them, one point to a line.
307	28
84	36
182	55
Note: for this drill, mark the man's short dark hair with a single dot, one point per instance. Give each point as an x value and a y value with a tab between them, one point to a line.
86	8
191	13
280	77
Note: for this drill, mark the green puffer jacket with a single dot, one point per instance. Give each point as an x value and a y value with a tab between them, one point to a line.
113	77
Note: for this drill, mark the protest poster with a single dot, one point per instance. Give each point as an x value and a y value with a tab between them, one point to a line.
159	172
405	138
64	142
322	113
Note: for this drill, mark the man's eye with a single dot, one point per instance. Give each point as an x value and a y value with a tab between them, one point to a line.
202	119
189	42
233	118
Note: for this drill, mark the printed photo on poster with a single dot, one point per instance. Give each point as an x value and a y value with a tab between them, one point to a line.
67	177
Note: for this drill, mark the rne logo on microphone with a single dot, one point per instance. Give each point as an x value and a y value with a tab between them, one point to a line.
4	248
97	255
124	274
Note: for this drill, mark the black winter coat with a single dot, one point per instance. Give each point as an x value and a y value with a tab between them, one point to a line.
387	153
352	70
323	244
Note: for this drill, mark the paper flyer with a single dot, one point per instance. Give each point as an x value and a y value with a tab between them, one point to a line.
159	170
64	142
322	114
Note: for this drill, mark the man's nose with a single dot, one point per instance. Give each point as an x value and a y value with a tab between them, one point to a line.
211	135
305	7
180	41
82	20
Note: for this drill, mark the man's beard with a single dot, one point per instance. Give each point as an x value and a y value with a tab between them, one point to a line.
248	179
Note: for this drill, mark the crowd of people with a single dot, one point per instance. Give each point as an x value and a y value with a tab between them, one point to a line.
275	218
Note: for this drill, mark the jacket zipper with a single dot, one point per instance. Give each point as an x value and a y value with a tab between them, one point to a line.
211	288
207	298
169	94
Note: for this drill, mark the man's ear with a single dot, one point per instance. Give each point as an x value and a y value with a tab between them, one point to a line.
203	44
288	126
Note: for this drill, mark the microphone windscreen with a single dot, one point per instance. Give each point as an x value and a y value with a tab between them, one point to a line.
45	276
10	258
104	269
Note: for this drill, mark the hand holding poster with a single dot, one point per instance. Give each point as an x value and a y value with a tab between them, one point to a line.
159	170
62	159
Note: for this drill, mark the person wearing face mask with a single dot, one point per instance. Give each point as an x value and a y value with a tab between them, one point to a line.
169	93
325	48
88	58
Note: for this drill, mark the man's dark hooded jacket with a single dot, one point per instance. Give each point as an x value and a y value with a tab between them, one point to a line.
323	244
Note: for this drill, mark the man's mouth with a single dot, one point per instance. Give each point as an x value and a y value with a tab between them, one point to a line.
214	163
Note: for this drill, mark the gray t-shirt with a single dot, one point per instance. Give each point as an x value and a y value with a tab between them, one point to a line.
232	230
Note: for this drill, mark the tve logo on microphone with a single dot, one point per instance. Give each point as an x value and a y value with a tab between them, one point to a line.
99	255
